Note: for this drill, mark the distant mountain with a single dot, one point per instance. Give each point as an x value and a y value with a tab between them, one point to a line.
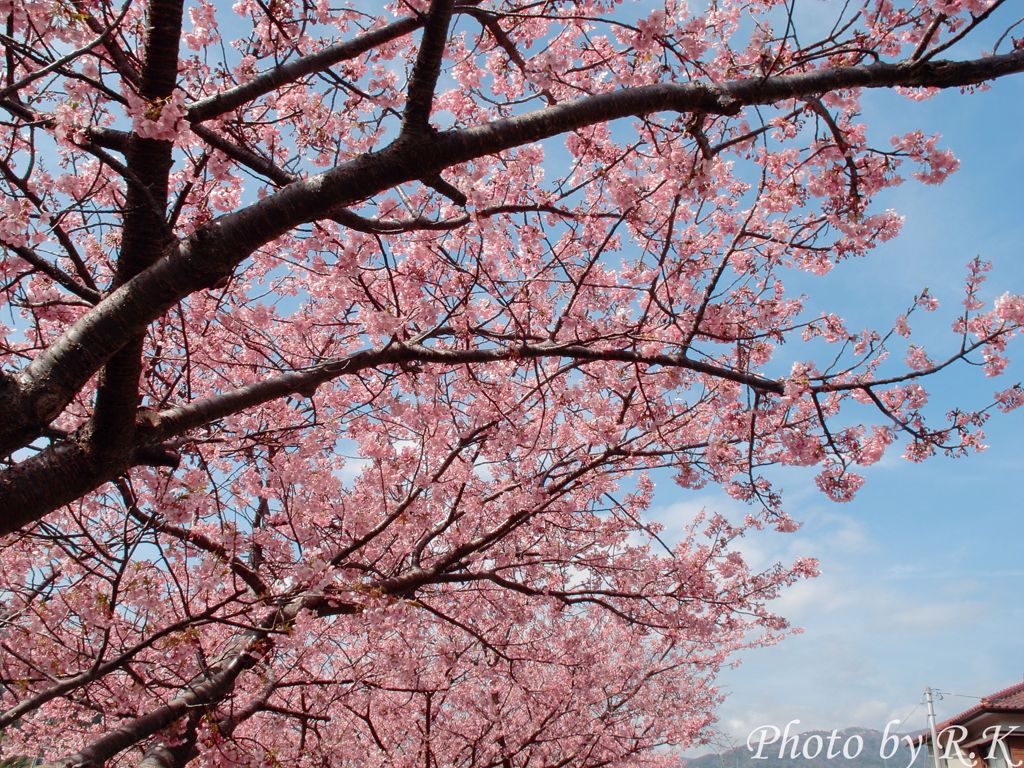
811	749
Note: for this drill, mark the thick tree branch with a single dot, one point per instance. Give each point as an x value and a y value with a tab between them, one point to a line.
145	234
427	69
111	138
359	223
54	272
70	683
27	497
43	389
213	106
176	421
218	684
727	98
244	156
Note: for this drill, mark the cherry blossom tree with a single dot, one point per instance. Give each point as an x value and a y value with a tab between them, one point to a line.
342	342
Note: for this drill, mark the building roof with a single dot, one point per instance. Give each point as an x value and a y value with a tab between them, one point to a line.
1007	700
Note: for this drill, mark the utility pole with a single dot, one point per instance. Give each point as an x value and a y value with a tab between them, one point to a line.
931	727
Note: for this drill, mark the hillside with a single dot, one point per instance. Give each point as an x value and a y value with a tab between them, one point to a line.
870	756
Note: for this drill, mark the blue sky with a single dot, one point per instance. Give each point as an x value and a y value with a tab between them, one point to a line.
921	573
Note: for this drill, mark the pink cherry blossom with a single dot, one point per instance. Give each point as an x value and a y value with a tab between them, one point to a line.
349	347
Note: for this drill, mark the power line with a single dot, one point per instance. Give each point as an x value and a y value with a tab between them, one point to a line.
961	695
912	711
